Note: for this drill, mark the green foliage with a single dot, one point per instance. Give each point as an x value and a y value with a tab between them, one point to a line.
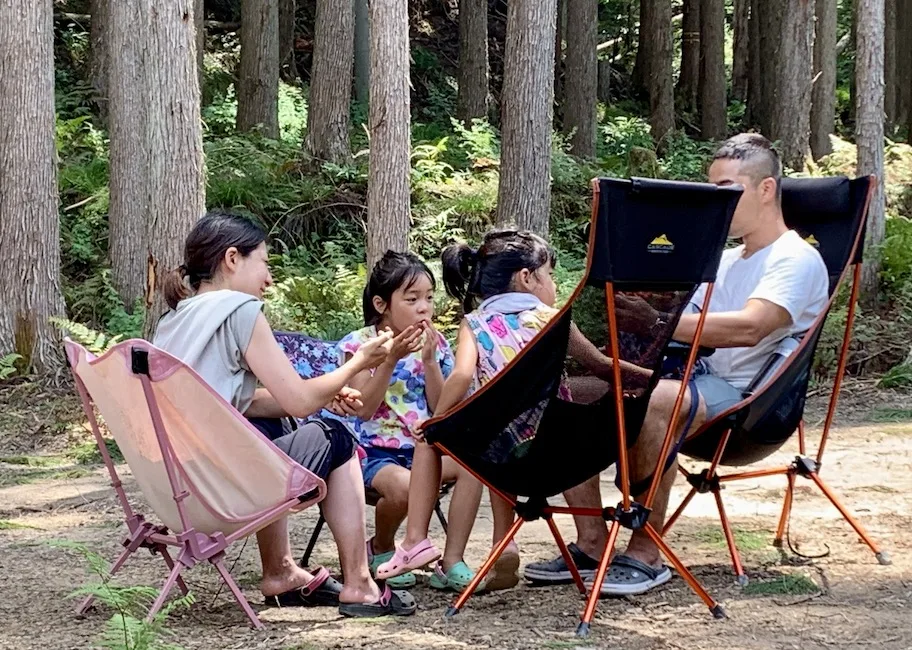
790	584
480	143
897	377
87	453
127	629
325	306
93	341
10	365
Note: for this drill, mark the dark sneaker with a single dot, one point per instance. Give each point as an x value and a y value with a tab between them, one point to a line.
556	571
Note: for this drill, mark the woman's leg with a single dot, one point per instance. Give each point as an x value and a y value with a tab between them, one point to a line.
280	572
392	483
424	486
343	509
463	510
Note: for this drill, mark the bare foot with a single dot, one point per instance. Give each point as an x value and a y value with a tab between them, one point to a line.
292	577
367	592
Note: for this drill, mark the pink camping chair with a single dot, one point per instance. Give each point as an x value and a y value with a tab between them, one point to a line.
204	471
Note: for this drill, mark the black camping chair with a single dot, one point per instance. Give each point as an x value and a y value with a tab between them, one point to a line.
830	214
658	240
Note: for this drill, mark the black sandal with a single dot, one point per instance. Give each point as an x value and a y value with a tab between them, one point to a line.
323	590
395	603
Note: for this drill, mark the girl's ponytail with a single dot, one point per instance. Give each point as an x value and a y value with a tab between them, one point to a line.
459	266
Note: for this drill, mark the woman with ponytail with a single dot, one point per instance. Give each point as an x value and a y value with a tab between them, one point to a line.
216	326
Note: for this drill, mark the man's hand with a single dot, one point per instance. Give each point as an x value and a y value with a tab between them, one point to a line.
635	314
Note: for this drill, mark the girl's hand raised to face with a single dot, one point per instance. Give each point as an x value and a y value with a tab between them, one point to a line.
431	342
408	341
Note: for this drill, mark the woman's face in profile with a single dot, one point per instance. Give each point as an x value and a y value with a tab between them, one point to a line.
249	274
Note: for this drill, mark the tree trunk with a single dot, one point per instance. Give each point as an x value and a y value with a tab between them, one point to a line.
770	25
659	80
258	79
199	23
559	39
472	97
157	179
904	64
713	103
362	51
823	97
524	195
755	77
288	70
388	197
604	80
640	76
581	86
689	79
869	128
741	55
98	61
330	82
794	72
890	7
29	226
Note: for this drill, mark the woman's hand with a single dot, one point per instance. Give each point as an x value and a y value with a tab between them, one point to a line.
408	341
431	343
374	351
346	403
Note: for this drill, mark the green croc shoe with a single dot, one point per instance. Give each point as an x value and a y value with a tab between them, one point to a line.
399	582
456	579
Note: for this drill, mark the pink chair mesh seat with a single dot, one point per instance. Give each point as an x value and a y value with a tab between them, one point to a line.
208	475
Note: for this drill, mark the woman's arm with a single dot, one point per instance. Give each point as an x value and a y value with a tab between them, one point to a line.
303	397
264	405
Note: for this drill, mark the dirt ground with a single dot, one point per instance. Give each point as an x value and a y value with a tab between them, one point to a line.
847	600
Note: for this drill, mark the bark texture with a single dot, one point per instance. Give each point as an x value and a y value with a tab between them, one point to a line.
362	51
823	102
258	78
99	54
741	54
658	68
157	179
581	70
472	97
388	196
330	82
689	79
288	70
524	195
29	227
793	75
713	102
869	127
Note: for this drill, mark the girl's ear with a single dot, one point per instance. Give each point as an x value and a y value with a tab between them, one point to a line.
379	304
523	279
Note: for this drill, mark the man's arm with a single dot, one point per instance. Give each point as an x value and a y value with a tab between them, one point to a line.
734	329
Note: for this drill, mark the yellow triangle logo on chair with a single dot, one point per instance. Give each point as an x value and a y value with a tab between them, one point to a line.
660	244
812	241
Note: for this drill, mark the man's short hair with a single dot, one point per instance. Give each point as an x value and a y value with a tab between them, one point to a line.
757	156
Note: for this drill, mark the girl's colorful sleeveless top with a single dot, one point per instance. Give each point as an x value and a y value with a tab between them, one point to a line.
502	327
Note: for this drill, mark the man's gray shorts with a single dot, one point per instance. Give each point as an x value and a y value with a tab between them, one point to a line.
718	395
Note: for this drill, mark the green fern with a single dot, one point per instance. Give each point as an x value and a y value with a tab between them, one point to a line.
94	341
127	629
8	367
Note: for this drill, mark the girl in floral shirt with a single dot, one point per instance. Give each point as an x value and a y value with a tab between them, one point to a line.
398	394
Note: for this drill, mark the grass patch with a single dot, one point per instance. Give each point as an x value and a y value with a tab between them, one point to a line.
33	461
746	540
791	584
560	645
12	525
87	453
891	415
47	474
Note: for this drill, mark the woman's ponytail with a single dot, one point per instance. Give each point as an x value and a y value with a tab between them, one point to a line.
174	287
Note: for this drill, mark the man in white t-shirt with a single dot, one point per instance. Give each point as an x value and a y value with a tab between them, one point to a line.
774	285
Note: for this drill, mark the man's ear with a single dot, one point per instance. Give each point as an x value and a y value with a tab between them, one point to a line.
379	304
769	188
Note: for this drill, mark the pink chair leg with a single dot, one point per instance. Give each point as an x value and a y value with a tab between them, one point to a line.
166	589
170	562
85	604
238	596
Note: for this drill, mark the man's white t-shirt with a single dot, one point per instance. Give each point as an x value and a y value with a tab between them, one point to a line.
789	273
